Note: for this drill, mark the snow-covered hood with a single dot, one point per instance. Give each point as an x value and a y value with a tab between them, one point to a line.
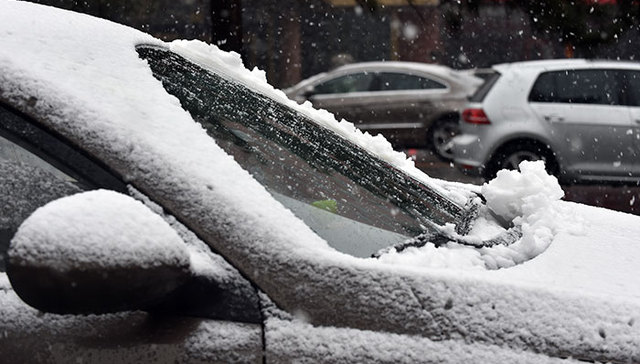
59	66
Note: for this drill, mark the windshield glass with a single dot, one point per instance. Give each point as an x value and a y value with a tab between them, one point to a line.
356	202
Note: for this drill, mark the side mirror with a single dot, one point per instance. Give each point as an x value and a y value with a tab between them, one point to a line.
96	252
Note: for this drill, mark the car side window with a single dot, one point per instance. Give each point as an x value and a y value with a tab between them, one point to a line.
544	89
37	167
577	87
400	81
32	176
630	91
356	82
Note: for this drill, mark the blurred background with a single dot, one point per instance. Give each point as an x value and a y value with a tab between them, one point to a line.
295	39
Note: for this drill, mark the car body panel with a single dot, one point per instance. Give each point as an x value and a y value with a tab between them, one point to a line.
293	340
132	337
597	137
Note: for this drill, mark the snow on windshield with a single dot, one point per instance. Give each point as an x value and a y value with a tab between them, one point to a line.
97	227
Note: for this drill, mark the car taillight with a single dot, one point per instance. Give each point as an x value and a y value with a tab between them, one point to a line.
475	116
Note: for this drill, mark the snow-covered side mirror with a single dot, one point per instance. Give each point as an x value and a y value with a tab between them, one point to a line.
96	252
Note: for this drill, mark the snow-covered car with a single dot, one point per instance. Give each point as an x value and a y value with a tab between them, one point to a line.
412	104
161	203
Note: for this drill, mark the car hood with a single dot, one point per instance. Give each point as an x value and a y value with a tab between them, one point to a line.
598	257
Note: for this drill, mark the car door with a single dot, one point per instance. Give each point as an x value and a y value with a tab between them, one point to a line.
224	326
346	95
631	98
586	120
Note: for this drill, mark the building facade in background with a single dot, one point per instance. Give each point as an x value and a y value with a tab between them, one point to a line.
295	39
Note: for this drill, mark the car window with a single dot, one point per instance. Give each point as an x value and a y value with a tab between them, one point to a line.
630	91
490	79
400	81
308	168
31	176
356	82
577	87
37	167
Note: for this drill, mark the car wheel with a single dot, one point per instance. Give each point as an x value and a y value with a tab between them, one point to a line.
510	156
440	136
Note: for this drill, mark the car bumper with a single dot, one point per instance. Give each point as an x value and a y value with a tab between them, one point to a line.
466	150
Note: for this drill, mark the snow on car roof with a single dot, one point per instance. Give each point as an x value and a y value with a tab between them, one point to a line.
101	84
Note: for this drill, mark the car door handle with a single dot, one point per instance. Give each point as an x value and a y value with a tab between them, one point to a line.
553	118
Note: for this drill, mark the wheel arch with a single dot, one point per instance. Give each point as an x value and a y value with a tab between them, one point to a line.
447	117
534	141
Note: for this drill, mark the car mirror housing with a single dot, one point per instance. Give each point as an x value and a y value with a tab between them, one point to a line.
96	252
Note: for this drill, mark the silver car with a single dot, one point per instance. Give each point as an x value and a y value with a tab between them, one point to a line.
411	104
582	117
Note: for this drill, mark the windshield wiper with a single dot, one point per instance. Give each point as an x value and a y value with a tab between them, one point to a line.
441	235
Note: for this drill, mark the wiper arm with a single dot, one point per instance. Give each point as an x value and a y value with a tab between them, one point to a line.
439	238
441	235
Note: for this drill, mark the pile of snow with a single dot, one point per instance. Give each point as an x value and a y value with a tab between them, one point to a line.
71	233
513	194
528	198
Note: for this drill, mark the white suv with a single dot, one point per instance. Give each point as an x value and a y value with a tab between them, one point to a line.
582	117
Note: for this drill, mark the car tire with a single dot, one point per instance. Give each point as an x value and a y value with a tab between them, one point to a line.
510	156
439	136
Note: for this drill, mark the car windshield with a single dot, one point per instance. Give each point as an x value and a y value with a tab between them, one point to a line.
356	202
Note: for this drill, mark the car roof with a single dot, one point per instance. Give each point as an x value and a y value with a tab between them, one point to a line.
566	63
397	65
444	73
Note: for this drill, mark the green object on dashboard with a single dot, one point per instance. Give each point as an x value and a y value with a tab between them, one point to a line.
329	205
